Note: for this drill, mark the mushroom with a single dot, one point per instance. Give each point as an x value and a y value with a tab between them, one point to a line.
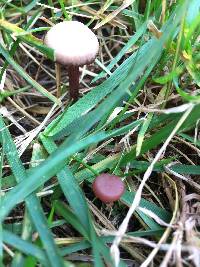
74	45
108	187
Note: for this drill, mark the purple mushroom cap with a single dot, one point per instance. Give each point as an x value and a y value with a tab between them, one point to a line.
108	187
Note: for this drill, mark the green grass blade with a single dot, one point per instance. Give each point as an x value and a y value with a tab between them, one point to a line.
33	205
97	245
1	227
70	187
26	247
64	211
27	229
142	132
128	45
27	38
128	198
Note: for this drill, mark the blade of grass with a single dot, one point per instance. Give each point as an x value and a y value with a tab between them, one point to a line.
1	228
142	132
33	205
63	210
70	187
128	45
26	247
15	44
27	228
128	198
27	38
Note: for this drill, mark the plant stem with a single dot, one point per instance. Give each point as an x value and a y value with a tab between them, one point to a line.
73	72
58	79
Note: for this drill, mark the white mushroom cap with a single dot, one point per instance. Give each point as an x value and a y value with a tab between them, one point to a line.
73	42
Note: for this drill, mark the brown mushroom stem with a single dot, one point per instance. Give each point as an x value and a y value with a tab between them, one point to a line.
58	79
73	72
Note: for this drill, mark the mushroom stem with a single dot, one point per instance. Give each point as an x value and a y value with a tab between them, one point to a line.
58	79
73	72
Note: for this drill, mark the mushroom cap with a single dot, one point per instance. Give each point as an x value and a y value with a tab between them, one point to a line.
108	187
73	42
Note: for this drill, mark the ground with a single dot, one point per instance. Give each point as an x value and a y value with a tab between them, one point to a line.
137	117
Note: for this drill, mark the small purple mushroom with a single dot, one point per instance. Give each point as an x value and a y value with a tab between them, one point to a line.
108	187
